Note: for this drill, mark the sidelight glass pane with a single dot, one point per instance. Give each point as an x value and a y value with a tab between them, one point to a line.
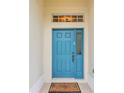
78	43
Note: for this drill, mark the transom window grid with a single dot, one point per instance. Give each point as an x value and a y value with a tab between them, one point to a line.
68	18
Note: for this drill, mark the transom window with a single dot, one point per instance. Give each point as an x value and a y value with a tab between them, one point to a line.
68	18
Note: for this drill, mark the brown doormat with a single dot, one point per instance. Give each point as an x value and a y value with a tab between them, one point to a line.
64	88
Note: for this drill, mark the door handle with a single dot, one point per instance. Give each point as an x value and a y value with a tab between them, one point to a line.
73	57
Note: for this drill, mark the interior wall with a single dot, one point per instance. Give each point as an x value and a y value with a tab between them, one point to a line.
91	36
36	27
91	42
63	7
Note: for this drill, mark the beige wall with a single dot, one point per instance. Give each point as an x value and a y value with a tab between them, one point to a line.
63	6
91	35
36	41
91	43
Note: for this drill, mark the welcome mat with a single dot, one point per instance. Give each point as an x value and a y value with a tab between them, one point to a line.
64	88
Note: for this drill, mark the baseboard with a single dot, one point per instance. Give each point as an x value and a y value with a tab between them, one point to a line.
91	82
38	85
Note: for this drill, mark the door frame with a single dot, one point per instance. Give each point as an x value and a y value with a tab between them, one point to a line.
82	47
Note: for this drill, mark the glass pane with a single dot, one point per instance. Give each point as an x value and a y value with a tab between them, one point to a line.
55	16
68	18
80	20
61	18
55	20
74	20
78	43
74	17
80	16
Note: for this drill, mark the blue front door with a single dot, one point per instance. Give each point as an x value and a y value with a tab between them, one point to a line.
67	53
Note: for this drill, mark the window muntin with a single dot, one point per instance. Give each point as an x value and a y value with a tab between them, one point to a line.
68	18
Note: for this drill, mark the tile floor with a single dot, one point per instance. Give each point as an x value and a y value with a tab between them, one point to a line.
83	86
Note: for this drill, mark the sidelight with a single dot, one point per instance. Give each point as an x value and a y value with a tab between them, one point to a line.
78	42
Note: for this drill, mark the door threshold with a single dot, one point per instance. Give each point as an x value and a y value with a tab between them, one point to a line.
68	80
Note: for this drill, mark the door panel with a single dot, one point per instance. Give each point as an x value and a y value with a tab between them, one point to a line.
67	53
